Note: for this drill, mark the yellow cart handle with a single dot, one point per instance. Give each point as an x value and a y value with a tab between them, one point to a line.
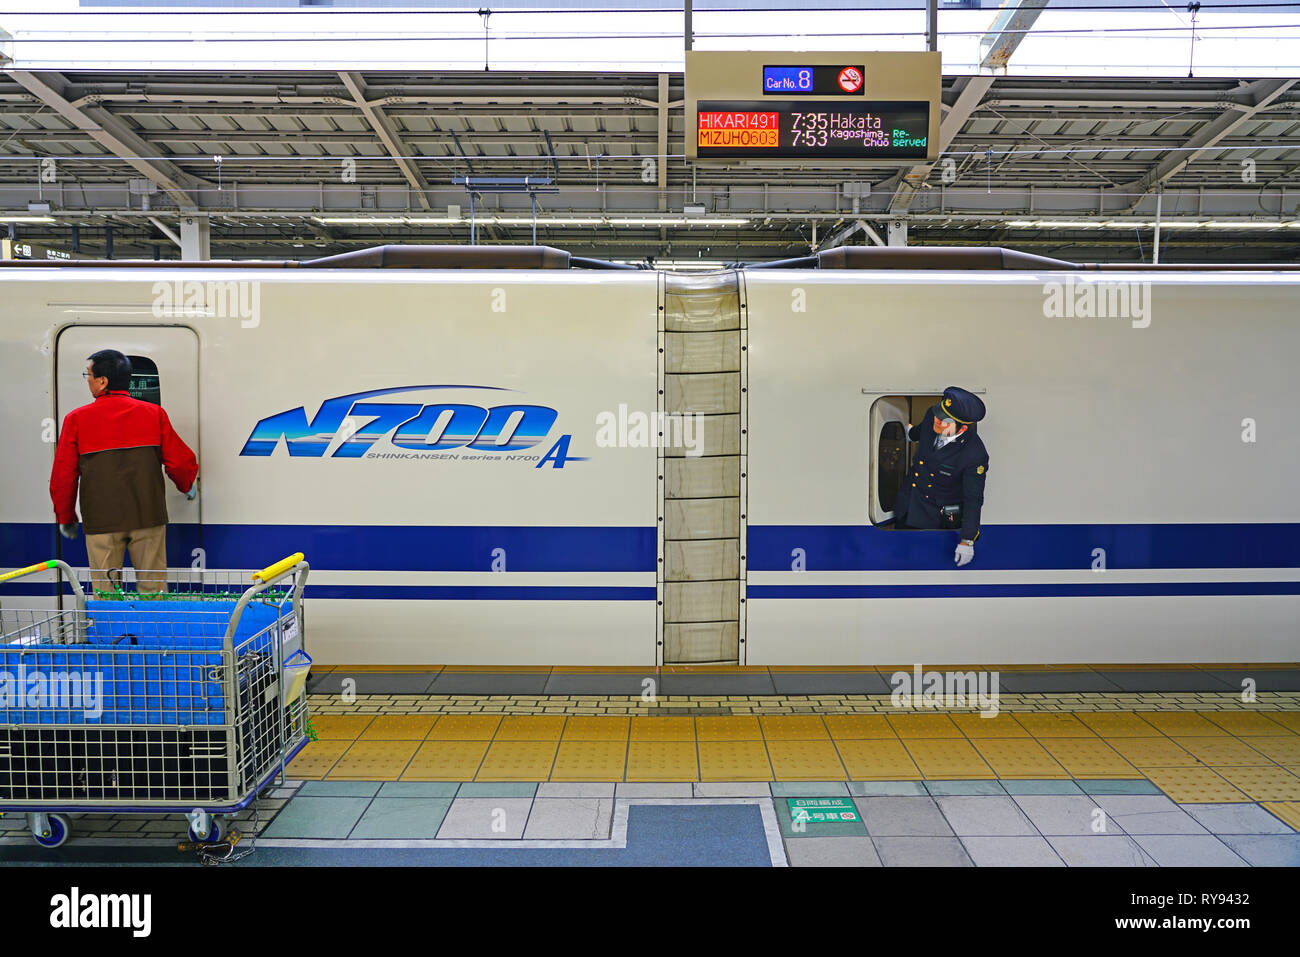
38	567
78	595
279	568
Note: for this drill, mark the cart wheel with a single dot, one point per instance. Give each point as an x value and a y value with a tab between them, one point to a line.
59	832
212	837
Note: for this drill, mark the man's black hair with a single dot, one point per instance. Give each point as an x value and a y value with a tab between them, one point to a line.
112	365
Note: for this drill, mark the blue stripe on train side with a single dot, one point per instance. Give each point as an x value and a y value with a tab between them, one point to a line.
1011	590
436	548
1025	547
422	592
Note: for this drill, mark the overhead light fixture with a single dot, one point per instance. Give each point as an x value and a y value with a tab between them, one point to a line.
24	218
1244	224
647	221
694	209
39	209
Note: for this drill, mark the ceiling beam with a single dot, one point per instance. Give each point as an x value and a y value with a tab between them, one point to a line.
387	132
1263	93
113	135
967	100
1011	25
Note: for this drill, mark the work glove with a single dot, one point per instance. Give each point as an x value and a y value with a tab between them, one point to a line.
69	531
964	554
193	493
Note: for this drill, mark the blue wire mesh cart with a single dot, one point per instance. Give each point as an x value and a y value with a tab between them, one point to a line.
186	699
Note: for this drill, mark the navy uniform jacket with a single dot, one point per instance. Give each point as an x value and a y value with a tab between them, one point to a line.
954	475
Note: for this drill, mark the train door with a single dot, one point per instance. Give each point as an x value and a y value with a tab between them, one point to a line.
165	370
889	452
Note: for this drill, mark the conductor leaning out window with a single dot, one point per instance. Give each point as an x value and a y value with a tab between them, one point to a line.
945	488
115	448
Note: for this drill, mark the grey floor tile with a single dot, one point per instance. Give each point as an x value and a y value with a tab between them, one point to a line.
832	852
852	682
418	789
1062	814
1041	787
1054	682
1236	819
922	852
1266	850
732	789
575	789
486	683
964	787
902	817
1266	679
318	817
1119	786
819	789
564	684
340	789
887	788
1132	681
486	818
985	816
1189	850
497	789
739	684
653	789
1100	850
402	818
371	682
1148	814
1015	851
570	819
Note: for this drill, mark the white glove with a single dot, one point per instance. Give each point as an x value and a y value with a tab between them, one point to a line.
69	530
193	493
964	554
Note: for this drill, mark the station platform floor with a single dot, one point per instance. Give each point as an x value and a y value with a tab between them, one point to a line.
1188	771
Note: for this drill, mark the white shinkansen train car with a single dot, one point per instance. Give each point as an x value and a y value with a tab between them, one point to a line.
458	445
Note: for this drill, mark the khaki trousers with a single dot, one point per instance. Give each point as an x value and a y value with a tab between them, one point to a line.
148	547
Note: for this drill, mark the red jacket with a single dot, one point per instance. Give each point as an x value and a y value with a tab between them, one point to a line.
113	447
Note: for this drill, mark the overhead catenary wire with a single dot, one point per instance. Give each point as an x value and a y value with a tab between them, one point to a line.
370	12
232	159
262	36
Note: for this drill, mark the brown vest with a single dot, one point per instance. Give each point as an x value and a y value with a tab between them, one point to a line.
122	490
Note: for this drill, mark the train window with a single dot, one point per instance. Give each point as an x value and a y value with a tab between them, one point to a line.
144	380
891	463
891	451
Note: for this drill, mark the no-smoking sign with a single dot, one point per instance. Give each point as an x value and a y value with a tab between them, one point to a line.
850	79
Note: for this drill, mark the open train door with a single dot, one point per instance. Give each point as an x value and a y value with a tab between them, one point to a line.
165	370
888	437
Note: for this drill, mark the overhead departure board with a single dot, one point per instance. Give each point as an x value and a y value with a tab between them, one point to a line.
812	108
809	129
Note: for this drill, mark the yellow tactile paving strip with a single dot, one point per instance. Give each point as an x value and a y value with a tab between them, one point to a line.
1098	705
1193	757
1288	811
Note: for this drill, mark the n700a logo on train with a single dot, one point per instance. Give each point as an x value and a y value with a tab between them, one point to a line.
356	424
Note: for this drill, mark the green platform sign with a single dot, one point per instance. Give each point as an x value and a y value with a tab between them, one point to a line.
822	810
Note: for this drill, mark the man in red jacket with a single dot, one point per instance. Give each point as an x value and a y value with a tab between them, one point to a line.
114	447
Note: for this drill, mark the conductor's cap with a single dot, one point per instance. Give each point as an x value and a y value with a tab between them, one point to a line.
961	406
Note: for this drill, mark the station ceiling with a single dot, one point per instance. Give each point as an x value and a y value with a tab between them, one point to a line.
303	164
